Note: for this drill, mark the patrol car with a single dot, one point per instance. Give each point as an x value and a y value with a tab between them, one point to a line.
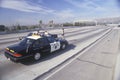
34	46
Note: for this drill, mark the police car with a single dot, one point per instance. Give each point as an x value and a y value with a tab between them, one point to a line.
35	46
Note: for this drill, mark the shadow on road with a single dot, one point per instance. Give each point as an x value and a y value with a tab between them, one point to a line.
48	56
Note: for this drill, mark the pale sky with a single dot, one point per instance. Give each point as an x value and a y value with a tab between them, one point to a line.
31	11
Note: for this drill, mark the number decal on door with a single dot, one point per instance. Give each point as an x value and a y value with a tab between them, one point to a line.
55	46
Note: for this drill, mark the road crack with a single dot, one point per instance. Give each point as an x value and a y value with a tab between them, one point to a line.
94	63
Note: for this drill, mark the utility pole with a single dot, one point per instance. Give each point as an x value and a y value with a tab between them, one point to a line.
63	32
96	23
40	24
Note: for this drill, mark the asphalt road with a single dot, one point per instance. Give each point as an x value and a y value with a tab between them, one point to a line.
29	70
98	62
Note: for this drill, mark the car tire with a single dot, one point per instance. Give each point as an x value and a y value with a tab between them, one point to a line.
37	56
63	46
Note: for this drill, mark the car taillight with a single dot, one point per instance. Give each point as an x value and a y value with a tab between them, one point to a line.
17	55
12	51
7	49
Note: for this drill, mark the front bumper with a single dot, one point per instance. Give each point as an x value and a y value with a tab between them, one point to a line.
16	59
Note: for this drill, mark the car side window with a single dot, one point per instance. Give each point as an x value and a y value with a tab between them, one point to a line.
43	41
51	39
36	43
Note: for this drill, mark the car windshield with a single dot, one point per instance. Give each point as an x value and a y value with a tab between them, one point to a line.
26	42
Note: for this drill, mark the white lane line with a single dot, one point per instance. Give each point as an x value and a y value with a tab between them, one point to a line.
117	66
77	56
117	69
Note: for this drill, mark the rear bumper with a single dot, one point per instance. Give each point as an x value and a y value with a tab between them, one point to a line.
16	59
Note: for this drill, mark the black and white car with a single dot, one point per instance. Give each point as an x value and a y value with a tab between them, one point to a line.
34	46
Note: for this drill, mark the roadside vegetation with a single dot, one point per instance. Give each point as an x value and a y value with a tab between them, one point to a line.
18	27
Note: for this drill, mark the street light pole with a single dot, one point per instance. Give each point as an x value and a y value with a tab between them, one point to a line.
63	32
96	23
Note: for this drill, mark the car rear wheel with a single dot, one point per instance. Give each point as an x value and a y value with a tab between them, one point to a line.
63	46
37	56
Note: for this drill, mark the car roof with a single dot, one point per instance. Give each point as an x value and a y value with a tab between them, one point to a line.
38	31
35	37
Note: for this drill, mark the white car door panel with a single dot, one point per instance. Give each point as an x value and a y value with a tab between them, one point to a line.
55	46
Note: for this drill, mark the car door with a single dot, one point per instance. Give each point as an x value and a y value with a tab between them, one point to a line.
54	44
41	45
44	45
35	46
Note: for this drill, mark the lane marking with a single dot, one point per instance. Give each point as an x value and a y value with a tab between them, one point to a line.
116	75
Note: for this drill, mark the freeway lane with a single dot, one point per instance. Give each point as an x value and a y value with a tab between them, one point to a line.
96	63
68	30
30	71
14	38
68	33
